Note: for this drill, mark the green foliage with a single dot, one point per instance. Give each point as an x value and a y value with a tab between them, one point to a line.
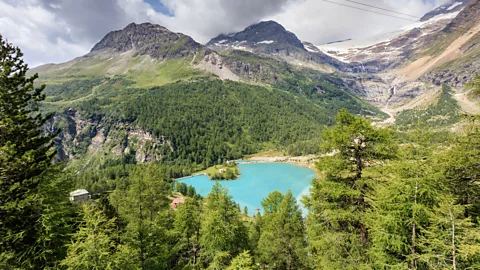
141	205
71	89
474	86
230	173
444	113
326	91
336	222
187	223
461	170
242	262
222	232
92	245
25	155
282	243
210	121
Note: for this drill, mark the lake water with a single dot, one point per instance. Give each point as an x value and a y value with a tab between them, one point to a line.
257	180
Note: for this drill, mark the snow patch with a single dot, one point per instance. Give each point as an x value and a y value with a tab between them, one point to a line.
222	41
266	42
454	5
308	48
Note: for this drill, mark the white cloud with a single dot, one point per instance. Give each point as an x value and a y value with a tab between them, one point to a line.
321	22
59	30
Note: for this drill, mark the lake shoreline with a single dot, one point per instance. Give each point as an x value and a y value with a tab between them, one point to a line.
258	179
303	161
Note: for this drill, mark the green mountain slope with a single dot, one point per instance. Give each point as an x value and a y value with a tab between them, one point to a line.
145	93
202	122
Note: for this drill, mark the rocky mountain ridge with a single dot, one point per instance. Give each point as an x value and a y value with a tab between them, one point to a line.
148	39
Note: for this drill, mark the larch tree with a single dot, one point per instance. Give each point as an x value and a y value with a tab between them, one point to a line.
92	245
143	205
222	232
338	236
282	243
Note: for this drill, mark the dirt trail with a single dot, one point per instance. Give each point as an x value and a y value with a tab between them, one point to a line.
467	105
425	64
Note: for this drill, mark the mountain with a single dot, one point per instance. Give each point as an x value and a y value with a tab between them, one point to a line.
145	93
267	37
454	52
272	39
405	68
452	6
94	96
148	39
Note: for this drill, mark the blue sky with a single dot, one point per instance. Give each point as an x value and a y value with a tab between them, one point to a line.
158	6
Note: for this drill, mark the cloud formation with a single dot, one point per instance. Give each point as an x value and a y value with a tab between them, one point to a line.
59	30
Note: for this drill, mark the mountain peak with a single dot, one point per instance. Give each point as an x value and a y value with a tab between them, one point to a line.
148	39
450	7
263	37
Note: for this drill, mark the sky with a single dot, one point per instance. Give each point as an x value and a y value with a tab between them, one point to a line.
55	31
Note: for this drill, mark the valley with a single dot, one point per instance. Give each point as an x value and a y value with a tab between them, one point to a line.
252	150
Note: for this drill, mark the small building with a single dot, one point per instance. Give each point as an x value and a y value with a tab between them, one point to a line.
221	171
177	201
79	195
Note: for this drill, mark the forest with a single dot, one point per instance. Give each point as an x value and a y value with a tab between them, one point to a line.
384	198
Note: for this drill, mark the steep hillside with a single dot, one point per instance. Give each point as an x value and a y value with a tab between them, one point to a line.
199	122
144	93
455	51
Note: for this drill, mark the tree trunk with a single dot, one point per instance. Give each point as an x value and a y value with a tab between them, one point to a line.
454	256
413	264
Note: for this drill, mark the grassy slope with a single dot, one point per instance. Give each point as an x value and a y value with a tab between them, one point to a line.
445	112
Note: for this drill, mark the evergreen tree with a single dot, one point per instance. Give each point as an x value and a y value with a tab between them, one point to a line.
338	235
187	223
92	246
242	262
282	243
222	232
144	207
25	153
452	241
57	221
461	166
402	205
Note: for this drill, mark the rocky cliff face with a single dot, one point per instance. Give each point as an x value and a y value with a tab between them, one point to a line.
148	39
81	136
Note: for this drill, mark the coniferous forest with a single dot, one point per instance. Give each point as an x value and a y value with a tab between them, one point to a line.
385	198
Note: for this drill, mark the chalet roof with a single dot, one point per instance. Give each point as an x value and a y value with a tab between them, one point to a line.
79	192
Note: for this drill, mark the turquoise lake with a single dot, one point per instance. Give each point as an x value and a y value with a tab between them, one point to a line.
257	180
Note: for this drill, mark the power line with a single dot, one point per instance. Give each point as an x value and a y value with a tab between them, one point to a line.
389	10
388	15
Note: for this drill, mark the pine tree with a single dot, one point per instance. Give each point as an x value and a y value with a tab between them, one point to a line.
92	246
338	235
25	153
282	243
